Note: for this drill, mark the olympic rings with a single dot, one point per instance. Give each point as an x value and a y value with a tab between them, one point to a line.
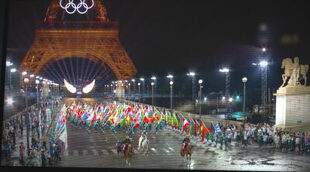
76	7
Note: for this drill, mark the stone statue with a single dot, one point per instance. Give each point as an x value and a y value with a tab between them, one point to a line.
293	71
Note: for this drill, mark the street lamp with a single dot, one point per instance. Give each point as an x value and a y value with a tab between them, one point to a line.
139	90
8	63
170	76
11	71
32	75
227	79
37	82
192	74
152	84
244	80
171	84
264	49
10	101
143	85
24	73
155	84
200	88
26	81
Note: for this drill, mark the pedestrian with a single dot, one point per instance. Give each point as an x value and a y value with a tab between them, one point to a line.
43	159
21	128
265	139
21	152
245	138
298	142
58	149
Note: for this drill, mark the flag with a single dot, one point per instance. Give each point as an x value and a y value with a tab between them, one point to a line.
204	130
217	128
63	136
192	128
195	128
185	124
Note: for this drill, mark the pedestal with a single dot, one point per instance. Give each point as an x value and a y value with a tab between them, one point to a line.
292	106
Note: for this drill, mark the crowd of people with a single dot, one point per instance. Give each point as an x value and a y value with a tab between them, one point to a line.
34	119
261	134
45	153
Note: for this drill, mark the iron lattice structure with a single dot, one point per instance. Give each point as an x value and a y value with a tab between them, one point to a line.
96	39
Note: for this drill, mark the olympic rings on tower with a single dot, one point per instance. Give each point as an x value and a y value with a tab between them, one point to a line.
76	7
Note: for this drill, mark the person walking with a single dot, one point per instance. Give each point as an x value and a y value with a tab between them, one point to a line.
21	153
298	142
43	159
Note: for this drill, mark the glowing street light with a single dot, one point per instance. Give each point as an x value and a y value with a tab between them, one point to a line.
264	49
10	101
13	70
231	99
200	89
227	79
152	84
170	76
224	70
171	84
24	73
191	74
153	78
263	63
8	63
37	82
244	80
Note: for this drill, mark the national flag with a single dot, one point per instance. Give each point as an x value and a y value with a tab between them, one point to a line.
204	131
185	124
195	128
63	137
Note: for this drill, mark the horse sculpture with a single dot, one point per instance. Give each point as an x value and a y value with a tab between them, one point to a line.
294	71
128	154
186	153
143	145
303	72
288	70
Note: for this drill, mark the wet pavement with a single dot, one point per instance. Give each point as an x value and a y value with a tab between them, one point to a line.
97	149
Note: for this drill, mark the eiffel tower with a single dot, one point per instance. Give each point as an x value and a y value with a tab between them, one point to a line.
94	38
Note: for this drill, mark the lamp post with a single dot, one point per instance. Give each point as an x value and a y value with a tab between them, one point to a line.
37	82
152	84
171	85
200	88
227	79
139	89
134	85
192	75
155	85
244	80
143	86
26	81
11	71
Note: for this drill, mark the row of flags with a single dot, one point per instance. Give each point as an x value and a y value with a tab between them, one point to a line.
127	115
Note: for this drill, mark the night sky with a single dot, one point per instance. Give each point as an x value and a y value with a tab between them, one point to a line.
176	36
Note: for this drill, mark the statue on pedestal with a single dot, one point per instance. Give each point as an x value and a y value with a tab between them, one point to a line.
294	71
